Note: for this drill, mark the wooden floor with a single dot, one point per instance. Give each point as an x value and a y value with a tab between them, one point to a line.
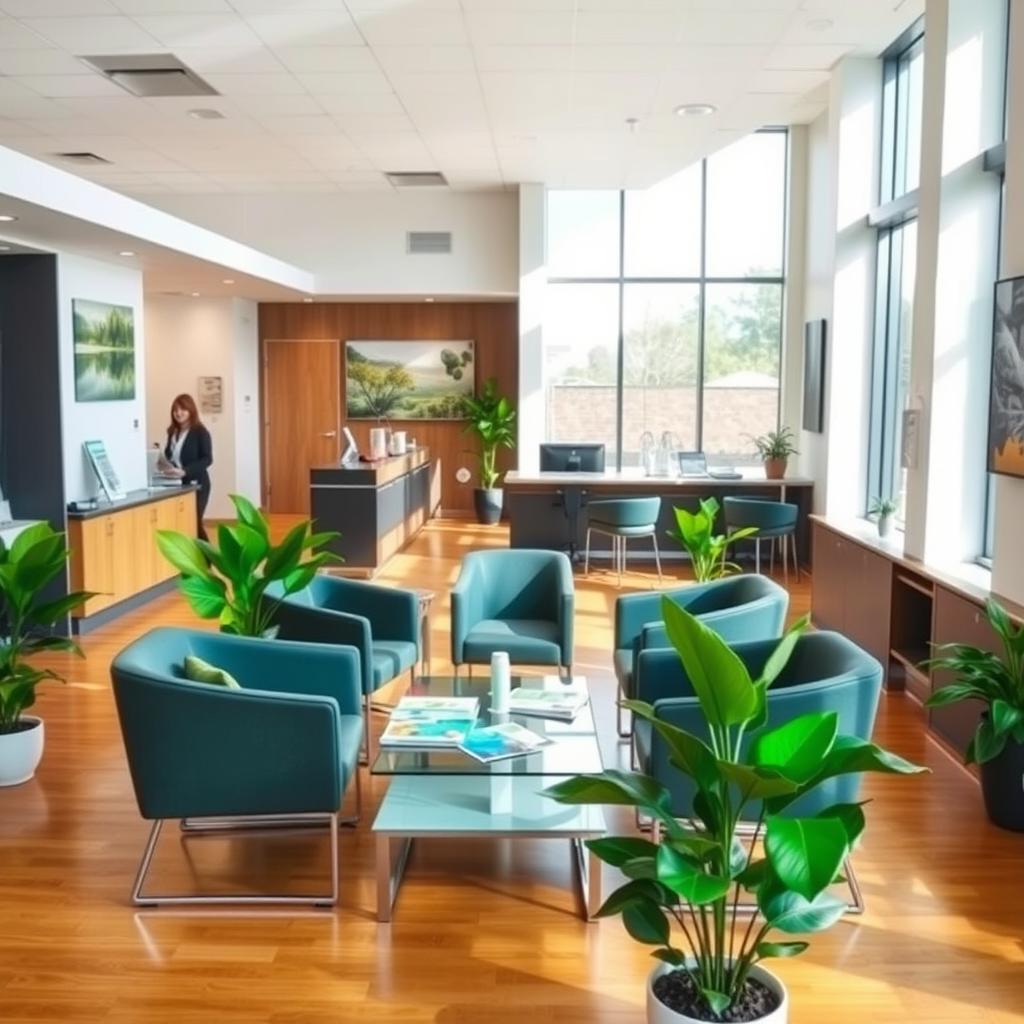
484	932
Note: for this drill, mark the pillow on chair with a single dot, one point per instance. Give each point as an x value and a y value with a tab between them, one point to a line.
200	671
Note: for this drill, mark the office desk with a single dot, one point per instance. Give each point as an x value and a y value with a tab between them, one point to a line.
538	503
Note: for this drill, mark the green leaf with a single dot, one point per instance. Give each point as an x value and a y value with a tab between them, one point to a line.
719	678
616	850
689	754
612	787
798	748
718	1001
1004	717
206	595
779	657
988	743
640	867
806	853
633	892
954	693
646	922
752	877
284	558
673	957
756	783
850	816
789	912
251	516
182	552
28	539
780	949
51	612
684	876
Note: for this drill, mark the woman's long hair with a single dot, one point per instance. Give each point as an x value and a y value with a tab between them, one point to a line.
186	402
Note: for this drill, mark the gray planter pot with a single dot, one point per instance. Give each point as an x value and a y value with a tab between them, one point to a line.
488	502
1002	786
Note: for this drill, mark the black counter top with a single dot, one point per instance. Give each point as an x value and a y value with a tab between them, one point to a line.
146	496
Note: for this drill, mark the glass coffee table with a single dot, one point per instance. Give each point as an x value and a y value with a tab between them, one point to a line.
446	794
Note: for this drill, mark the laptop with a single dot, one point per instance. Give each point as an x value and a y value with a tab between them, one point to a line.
692	464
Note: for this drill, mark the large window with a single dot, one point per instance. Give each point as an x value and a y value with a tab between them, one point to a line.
903	68
664	307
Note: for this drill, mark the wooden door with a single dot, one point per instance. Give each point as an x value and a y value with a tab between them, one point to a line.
92	564
301	418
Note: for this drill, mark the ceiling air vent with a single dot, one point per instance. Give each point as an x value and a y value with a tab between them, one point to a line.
151	74
416	179
82	159
433	242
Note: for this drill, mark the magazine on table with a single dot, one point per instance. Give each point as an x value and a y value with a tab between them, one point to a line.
564	703
498	742
430	722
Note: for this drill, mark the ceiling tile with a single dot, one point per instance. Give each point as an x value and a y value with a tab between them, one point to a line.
317	124
351	121
306	28
15	36
327	59
230	60
346	85
413	59
31	106
617	28
524	58
39	62
795	81
357	103
521	28
60	86
806	58
287	105
404	27
115	34
255	85
247	7
175	30
10	129
55	8
134	7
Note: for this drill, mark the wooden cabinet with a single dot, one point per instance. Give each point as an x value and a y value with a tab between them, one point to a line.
851	591
115	555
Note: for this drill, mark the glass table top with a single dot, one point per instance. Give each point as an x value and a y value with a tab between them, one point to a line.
574	749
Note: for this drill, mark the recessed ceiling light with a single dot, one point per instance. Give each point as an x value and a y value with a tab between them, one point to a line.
126	252
695	110
819	24
228	280
7	217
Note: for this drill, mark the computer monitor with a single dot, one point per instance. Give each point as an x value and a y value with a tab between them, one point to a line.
692	464
572	458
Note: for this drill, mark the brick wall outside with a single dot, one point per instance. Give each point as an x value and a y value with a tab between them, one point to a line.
731	417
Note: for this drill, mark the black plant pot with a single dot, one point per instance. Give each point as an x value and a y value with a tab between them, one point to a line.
488	502
1002	785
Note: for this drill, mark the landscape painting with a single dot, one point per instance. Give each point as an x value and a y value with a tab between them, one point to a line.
408	380
1006	398
104	337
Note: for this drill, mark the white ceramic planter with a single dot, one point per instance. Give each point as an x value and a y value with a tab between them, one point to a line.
884	526
21	752
659	1013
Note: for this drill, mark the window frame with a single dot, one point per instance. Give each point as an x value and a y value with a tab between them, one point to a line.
702	280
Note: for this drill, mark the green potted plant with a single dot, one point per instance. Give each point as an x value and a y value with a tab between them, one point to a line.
775	448
36	557
883	509
229	582
997	683
492	418
707	549
691	882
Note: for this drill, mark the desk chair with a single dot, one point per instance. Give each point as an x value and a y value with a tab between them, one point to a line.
772	519
620	519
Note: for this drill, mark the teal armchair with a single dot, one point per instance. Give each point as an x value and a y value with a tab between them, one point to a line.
520	601
382	623
738	608
826	672
283	749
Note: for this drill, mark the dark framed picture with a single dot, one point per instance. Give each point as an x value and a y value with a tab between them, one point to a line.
814	376
1006	392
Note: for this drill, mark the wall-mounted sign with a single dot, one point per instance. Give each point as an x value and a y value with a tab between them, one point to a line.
211	394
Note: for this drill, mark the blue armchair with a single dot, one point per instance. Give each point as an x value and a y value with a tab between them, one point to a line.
382	623
826	672
519	601
281	750
738	608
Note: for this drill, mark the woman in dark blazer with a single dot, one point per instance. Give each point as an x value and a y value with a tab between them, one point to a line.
189	450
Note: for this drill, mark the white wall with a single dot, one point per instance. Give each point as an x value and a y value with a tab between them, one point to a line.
120	425
355	244
191	338
532	285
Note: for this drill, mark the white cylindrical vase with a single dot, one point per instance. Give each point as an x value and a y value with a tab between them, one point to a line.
501	682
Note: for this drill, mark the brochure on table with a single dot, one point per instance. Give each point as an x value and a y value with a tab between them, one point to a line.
431	722
502	741
563	703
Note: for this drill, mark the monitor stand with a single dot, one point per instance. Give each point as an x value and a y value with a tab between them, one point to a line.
572	501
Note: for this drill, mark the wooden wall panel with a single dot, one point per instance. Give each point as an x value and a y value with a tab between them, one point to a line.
492	326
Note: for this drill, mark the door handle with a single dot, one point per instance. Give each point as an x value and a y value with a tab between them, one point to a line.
329	433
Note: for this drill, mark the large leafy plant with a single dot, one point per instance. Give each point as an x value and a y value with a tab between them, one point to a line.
492	418
707	549
741	771
229	582
996	681
37	556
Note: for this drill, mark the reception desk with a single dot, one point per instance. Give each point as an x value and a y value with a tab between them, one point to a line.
549	510
377	507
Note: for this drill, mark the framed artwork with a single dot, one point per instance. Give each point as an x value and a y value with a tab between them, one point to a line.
104	342
210	392
408	380
814	376
1006	393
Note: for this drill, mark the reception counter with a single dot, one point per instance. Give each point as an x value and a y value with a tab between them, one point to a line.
549	510
377	507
